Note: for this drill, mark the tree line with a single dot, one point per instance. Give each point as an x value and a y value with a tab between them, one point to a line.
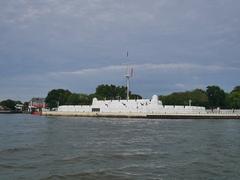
9	104
212	97
57	97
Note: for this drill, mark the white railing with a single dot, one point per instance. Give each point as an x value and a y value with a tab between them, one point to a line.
223	111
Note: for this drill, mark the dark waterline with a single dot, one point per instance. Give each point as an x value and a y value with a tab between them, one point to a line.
36	147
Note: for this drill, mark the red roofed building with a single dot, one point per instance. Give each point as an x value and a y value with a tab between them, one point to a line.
36	105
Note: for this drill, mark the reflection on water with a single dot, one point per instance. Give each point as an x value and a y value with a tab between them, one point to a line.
34	147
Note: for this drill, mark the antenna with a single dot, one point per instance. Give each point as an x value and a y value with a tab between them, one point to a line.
128	75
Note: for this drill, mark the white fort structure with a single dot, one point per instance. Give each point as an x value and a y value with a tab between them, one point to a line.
131	106
147	106
140	108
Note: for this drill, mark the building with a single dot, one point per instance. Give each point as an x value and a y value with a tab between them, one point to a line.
1	108
146	106
19	107
36	105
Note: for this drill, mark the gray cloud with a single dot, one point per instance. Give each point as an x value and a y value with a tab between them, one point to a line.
83	37
148	67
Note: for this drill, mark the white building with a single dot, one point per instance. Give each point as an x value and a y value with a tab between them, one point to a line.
133	106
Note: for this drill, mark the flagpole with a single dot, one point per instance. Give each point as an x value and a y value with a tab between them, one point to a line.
128	75
128	86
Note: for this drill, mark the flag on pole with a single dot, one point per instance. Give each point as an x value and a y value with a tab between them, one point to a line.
127	53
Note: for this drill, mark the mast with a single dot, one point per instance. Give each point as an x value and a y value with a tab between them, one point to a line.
128	75
128	83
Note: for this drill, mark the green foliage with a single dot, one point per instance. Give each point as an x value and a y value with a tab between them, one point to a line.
213	97
57	97
78	99
110	92
84	99
25	106
64	97
234	98
216	97
10	104
105	91
135	96
236	89
198	97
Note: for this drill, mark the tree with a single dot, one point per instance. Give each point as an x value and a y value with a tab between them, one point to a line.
57	97
198	97
84	99
78	99
234	98
110	92
135	96
236	89
105	91
216	97
10	104
25	106
73	99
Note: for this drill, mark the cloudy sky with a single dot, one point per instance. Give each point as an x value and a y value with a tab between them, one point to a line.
174	45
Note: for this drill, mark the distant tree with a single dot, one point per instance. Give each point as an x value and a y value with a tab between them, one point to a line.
236	89
213	97
73	99
198	97
25	106
57	97
110	92
235	100
216	97
84	99
10	104
105	91
78	99
94	95
135	96
121	91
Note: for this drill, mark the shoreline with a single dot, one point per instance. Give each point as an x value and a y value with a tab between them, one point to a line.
143	115
10	112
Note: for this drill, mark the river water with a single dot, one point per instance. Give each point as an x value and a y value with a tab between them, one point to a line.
37	147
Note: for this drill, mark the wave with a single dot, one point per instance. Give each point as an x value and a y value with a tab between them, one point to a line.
99	175
72	159
14	150
131	155
22	167
113	156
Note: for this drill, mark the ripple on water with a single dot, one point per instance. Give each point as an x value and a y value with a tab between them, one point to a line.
96	148
15	167
99	175
14	150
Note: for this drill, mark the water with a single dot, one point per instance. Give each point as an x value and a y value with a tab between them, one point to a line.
34	147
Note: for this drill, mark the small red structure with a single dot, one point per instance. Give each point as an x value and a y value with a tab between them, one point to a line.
36	105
